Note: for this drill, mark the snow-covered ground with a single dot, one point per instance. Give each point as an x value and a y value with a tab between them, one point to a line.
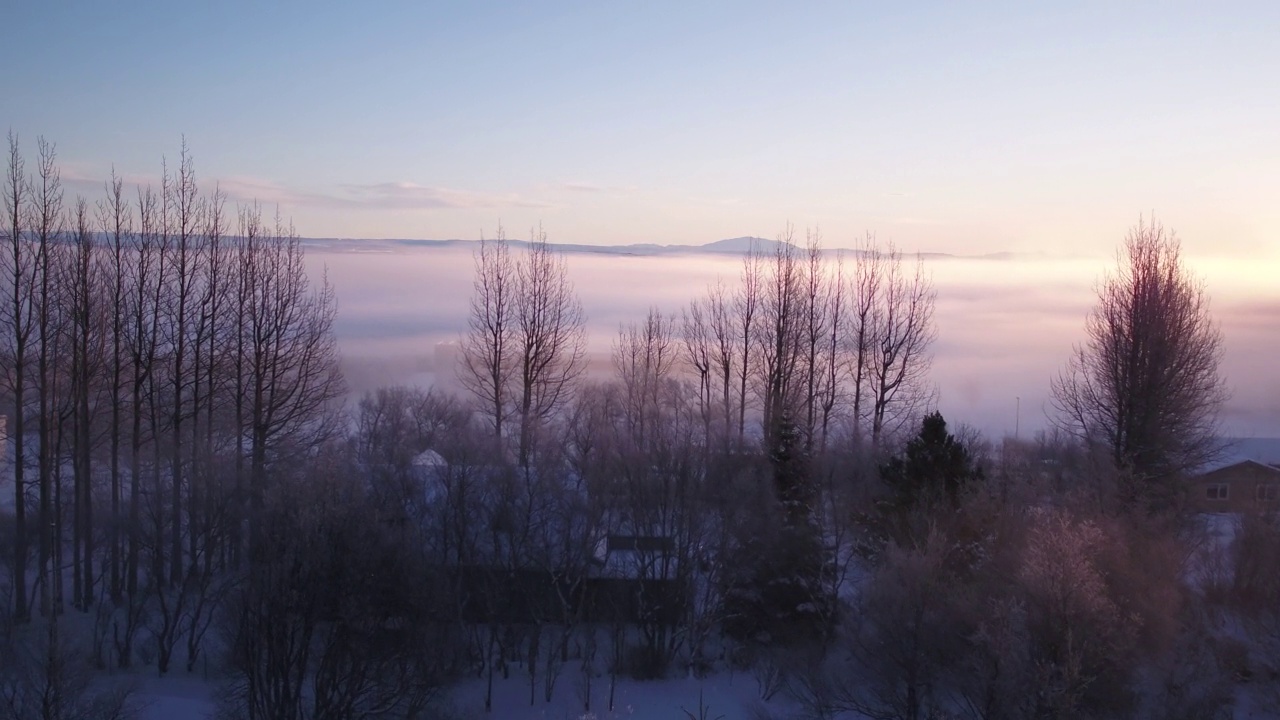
724	696
730	697
176	698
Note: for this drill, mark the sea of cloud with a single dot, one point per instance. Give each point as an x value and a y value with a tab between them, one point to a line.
1006	324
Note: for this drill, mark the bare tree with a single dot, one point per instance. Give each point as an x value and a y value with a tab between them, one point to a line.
47	221
644	357
1145	383
780	338
115	221
696	338
248	239
899	637
708	332
205	491
488	347
185	205
336	617
46	673
81	282
821	311
654	482
147	277
746	306
829	368
291	364
720	320
864	292
899	349
550	338
17	325
814	319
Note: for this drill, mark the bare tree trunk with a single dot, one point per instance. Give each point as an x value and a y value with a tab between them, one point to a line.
746	304
720	309
215	288
184	201
202	382
82	297
62	420
19	269
815	314
148	280
47	214
830	390
246	249
864	297
116	223
696	336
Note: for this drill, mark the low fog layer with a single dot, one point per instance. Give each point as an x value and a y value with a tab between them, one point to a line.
1006	324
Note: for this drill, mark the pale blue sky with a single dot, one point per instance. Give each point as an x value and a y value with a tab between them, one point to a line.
958	127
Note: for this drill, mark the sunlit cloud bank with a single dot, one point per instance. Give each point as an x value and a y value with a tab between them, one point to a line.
1005	326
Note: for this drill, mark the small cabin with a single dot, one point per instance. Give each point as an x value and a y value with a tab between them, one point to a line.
1247	486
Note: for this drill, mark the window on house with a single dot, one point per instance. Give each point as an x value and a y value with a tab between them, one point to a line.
1219	491
619	543
1268	492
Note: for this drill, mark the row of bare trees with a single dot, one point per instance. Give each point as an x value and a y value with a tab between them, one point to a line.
835	349
526	341
160	354
839	350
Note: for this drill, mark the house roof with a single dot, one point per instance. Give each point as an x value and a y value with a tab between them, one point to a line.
429	459
1266	467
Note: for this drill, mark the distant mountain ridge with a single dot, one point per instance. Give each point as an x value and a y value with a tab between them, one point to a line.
728	246
739	245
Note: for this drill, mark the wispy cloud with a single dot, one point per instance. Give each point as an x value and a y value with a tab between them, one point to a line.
385	196
915	221
79	177
589	187
251	189
409	196
582	187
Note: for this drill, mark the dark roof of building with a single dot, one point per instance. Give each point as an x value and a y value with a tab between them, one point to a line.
1269	467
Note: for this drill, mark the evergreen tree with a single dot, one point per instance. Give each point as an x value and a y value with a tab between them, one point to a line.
778	583
934	466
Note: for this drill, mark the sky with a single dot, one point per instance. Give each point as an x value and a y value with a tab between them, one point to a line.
943	127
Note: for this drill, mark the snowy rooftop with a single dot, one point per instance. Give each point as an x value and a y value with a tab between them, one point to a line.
428	459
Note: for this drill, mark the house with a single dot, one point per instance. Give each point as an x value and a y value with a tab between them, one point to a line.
1242	487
